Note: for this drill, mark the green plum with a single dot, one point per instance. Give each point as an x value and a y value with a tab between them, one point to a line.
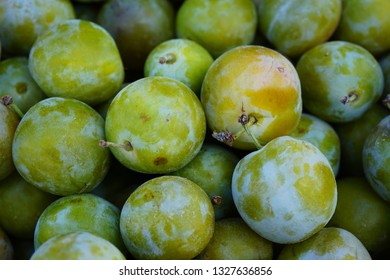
233	239
295	26
6	248
218	25
80	212
56	146
340	81
180	59
376	158
77	59
21	206
77	246
286	191
328	244
257	83
212	170
16	81
21	22
361	211
366	23
168	217
137	27
322	135
155	125
9	120
385	64
352	136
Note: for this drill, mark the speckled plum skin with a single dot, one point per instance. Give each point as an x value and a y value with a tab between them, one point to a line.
335	70
286	191
218	25
376	158
168	217
294	26
77	59
263	83
78	245
330	243
162	119
56	147
21	22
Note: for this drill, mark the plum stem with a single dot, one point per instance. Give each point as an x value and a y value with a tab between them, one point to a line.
216	200
126	145
9	102
352	96
169	58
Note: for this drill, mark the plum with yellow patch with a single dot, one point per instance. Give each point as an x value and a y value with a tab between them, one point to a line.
80	212
294	26
77	59
180	59
155	125
376	158
168	217
233	239
21	22
259	81
78	245
286	191
56	146
330	243
340	81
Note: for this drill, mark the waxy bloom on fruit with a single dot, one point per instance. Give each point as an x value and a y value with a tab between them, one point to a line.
155	125
255	82
56	146
286	191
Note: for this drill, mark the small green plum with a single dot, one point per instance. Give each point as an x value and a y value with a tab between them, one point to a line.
352	136
322	135
21	205
330	243
180	59
6	248
77	59
257	83
340	81
168	217
80	212
77	246
233	239
361	211
16	81
385	64
218	25
295	26
212	170
56	146
286	191
155	125
366	23
21	22
376	158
